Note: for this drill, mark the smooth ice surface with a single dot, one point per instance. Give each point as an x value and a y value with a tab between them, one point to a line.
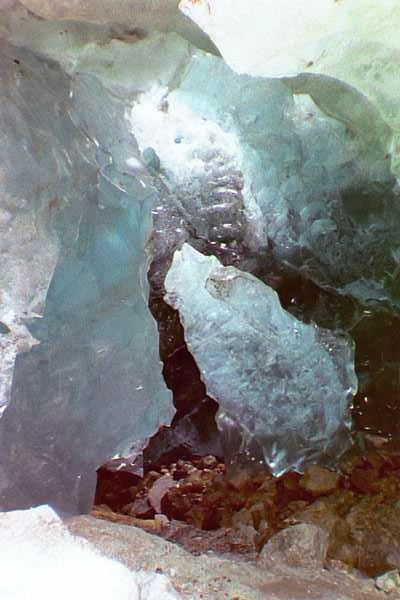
284	384
74	288
41	560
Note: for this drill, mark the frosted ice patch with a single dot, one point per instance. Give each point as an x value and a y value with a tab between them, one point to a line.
182	140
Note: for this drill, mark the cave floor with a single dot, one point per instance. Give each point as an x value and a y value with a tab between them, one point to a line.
195	504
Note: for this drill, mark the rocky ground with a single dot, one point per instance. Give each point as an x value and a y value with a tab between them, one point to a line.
344	522
209	576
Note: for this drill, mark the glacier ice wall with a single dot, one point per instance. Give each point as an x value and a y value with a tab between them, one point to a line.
125	15
284	384
295	169
118	124
74	290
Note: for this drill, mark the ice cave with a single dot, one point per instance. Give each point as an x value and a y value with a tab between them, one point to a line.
199	299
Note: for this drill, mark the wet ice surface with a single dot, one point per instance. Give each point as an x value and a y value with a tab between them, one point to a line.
91	385
282	383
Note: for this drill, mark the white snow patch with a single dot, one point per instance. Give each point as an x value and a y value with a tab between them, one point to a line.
41	560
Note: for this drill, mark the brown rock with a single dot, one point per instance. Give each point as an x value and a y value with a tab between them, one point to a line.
242	517
326	513
244	534
257	515
364	477
298	546
335	564
288	489
375	441
351	459
159	488
318	480
174	504
375	531
140	508
209	462
195	484
345	554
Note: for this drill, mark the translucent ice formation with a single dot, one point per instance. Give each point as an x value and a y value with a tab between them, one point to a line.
284	384
314	194
74	291
254	162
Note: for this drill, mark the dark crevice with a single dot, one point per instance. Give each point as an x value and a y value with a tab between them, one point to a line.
193	431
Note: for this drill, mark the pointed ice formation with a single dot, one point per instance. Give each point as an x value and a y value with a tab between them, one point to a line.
284	384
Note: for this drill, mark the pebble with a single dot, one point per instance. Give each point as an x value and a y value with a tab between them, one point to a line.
388	582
